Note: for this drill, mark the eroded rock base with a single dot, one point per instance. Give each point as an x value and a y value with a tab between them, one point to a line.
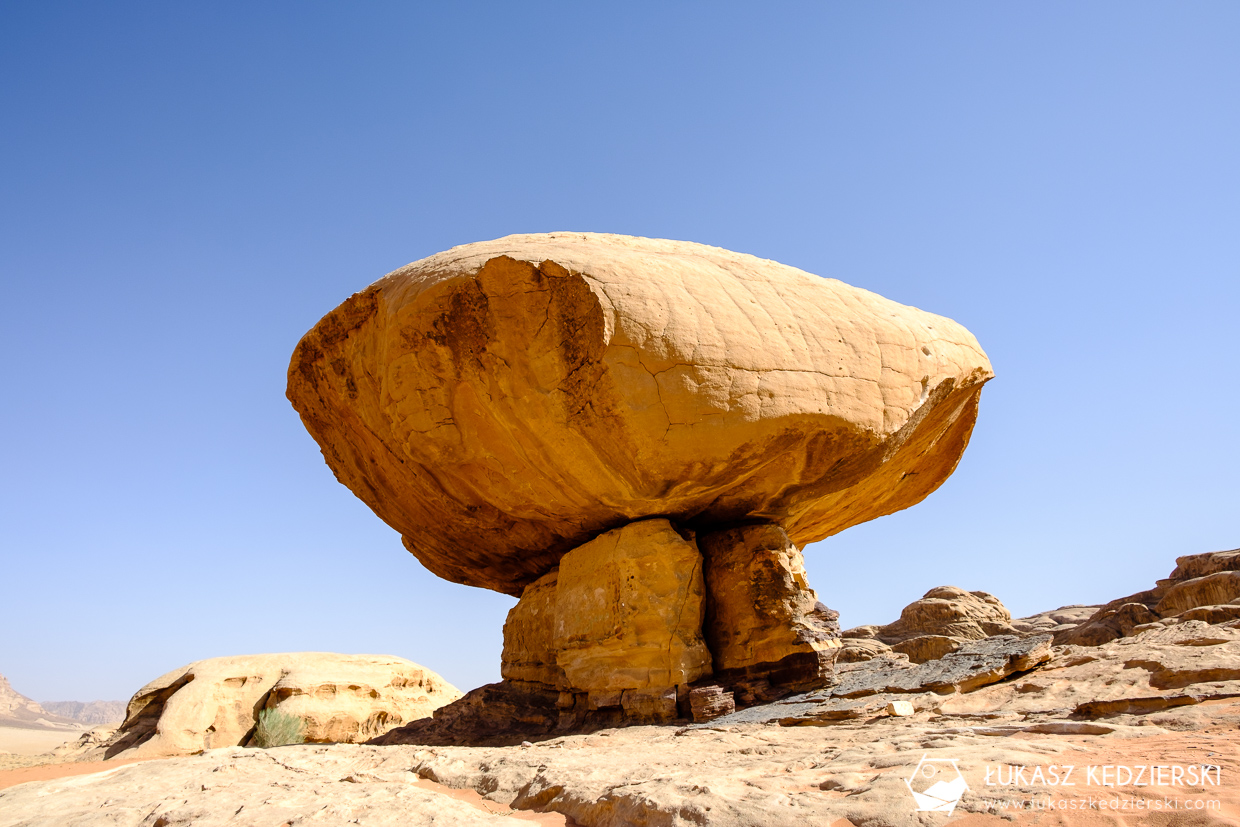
764	625
650	623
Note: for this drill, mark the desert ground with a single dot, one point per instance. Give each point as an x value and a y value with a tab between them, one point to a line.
27	742
741	774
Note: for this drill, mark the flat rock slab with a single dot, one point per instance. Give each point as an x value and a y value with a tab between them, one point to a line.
730	776
864	689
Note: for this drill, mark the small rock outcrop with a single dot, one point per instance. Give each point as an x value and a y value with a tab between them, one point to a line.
1203	587
942	621
1054	621
215	703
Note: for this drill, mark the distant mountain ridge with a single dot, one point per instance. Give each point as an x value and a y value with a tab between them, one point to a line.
16	710
93	713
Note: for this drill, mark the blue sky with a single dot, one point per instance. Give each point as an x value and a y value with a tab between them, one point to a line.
187	188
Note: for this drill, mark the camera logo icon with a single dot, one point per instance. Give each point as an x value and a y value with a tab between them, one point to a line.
936	784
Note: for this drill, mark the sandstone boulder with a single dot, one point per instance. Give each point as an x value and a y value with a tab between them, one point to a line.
1055	620
215	703
504	402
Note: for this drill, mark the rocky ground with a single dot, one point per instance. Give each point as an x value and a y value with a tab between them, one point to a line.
1139	728
727	774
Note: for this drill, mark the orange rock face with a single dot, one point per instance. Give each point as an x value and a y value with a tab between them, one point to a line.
623	611
503	402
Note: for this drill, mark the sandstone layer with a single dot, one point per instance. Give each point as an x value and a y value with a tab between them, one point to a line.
504	402
215	703
1167	695
796	773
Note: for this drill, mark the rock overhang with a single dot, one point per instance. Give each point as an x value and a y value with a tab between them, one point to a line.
503	402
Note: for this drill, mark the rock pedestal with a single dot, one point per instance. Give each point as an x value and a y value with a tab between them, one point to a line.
764	623
631	619
617	626
628	613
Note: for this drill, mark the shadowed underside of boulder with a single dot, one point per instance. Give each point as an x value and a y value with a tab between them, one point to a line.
504	402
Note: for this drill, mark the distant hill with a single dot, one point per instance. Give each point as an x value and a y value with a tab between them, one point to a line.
16	710
92	713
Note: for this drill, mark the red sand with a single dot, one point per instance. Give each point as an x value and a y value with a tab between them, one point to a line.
45	772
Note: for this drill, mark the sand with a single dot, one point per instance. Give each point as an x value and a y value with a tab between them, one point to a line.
47	772
25	741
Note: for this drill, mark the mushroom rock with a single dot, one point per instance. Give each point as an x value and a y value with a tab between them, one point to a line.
634	436
506	401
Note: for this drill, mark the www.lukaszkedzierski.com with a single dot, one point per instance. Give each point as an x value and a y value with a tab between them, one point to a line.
1108	803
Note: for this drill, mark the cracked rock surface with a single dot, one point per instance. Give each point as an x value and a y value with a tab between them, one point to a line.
728	776
503	402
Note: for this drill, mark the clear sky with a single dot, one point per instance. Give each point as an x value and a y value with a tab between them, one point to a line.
187	188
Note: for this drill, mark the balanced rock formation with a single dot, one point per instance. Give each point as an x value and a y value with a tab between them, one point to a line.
634	436
506	401
1203	587
215	703
942	621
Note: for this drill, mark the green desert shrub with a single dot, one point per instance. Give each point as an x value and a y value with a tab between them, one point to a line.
278	729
